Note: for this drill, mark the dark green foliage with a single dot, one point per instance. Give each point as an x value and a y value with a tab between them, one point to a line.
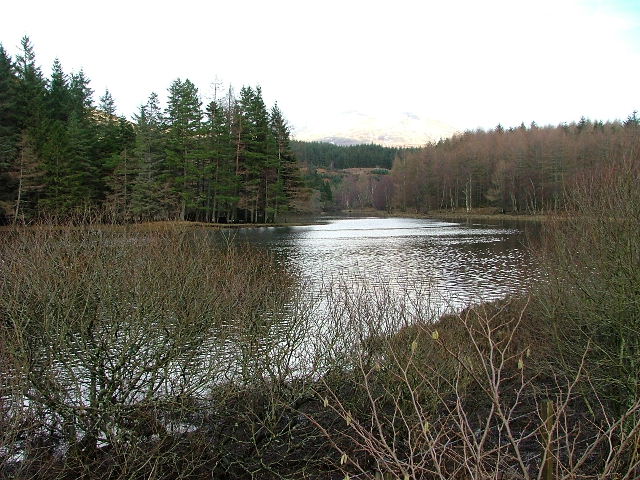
81	94
31	88
9	133
324	184
150	199
58	96
29	123
255	154
222	183
183	117
61	155
328	155
287	183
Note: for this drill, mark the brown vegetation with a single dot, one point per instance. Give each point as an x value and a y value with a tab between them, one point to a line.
167	355
525	170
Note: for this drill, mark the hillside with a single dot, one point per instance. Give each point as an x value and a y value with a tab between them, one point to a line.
404	129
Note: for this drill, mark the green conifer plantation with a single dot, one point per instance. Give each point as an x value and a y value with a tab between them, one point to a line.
61	155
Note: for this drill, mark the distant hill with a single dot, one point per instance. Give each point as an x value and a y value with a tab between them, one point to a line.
340	156
405	129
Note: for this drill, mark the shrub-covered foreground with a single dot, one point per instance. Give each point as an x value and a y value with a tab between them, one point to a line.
165	356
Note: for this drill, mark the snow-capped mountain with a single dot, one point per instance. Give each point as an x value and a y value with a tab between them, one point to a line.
353	127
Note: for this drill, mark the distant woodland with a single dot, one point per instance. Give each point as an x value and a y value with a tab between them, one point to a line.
328	155
232	159
527	169
62	155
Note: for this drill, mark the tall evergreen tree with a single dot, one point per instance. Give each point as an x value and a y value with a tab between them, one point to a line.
54	148
115	139
220	172
31	88
183	116
254	149
31	121
151	195
59	154
58	96
73	179
83	181
81	94
287	180
9	136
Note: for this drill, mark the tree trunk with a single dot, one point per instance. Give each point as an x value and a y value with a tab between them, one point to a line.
17	212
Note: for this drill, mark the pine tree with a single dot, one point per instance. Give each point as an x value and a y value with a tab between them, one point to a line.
287	181
9	138
58	96
82	179
32	125
55	196
253	148
220	172
120	170
114	142
59	154
54	148
73	179
150	195
81	94
31	89
183	118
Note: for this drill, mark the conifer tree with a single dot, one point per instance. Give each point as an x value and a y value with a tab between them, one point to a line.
31	90
287	181
81	94
254	150
183	118
82	177
54	148
73	179
58	95
115	139
59	154
9	137
222	186
31	122
150	196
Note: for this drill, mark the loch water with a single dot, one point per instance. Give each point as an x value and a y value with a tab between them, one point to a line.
455	263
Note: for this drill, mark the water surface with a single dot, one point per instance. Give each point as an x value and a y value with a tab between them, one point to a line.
458	263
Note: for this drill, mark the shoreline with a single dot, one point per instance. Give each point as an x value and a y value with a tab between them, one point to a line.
296	220
163	225
477	214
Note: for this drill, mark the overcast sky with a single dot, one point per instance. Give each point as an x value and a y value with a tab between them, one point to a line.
470	64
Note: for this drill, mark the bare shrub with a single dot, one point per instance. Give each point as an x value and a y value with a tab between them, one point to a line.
162	355
543	388
132	355
591	297
465	398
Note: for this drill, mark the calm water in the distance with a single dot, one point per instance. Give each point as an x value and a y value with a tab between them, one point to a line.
461	263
